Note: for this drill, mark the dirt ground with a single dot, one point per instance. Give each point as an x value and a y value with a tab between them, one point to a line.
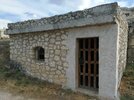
5	95
10	91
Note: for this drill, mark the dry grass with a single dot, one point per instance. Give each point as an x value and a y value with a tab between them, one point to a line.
127	84
41	90
14	81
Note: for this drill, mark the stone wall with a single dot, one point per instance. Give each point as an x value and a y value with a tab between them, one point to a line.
130	56
122	44
54	67
129	12
4	52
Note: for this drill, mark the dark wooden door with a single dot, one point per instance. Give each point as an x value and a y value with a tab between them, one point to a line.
88	63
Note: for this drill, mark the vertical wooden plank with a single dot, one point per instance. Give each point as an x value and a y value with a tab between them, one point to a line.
81	73
89	63
98	61
94	62
78	62
83	62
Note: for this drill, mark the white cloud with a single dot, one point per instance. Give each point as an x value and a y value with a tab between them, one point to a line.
126	3
91	3
38	9
85	4
3	23
43	8
18	8
123	3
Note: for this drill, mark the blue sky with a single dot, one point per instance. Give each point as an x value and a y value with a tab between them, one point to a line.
20	10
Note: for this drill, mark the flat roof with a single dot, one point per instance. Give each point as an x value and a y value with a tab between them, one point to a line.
101	14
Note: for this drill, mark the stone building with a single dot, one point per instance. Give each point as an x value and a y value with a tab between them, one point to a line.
83	50
2	35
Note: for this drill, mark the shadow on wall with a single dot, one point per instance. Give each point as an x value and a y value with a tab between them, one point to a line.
4	52
13	65
5	56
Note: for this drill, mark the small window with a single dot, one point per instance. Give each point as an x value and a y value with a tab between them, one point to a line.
39	53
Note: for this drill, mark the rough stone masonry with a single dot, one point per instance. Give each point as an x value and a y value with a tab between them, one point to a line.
58	36
54	67
129	12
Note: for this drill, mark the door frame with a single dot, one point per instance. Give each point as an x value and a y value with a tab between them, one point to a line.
77	63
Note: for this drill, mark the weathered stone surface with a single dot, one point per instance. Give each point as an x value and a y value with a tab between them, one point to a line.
129	12
56	58
57	52
122	42
22	50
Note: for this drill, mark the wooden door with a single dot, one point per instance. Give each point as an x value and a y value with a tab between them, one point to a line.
88	63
